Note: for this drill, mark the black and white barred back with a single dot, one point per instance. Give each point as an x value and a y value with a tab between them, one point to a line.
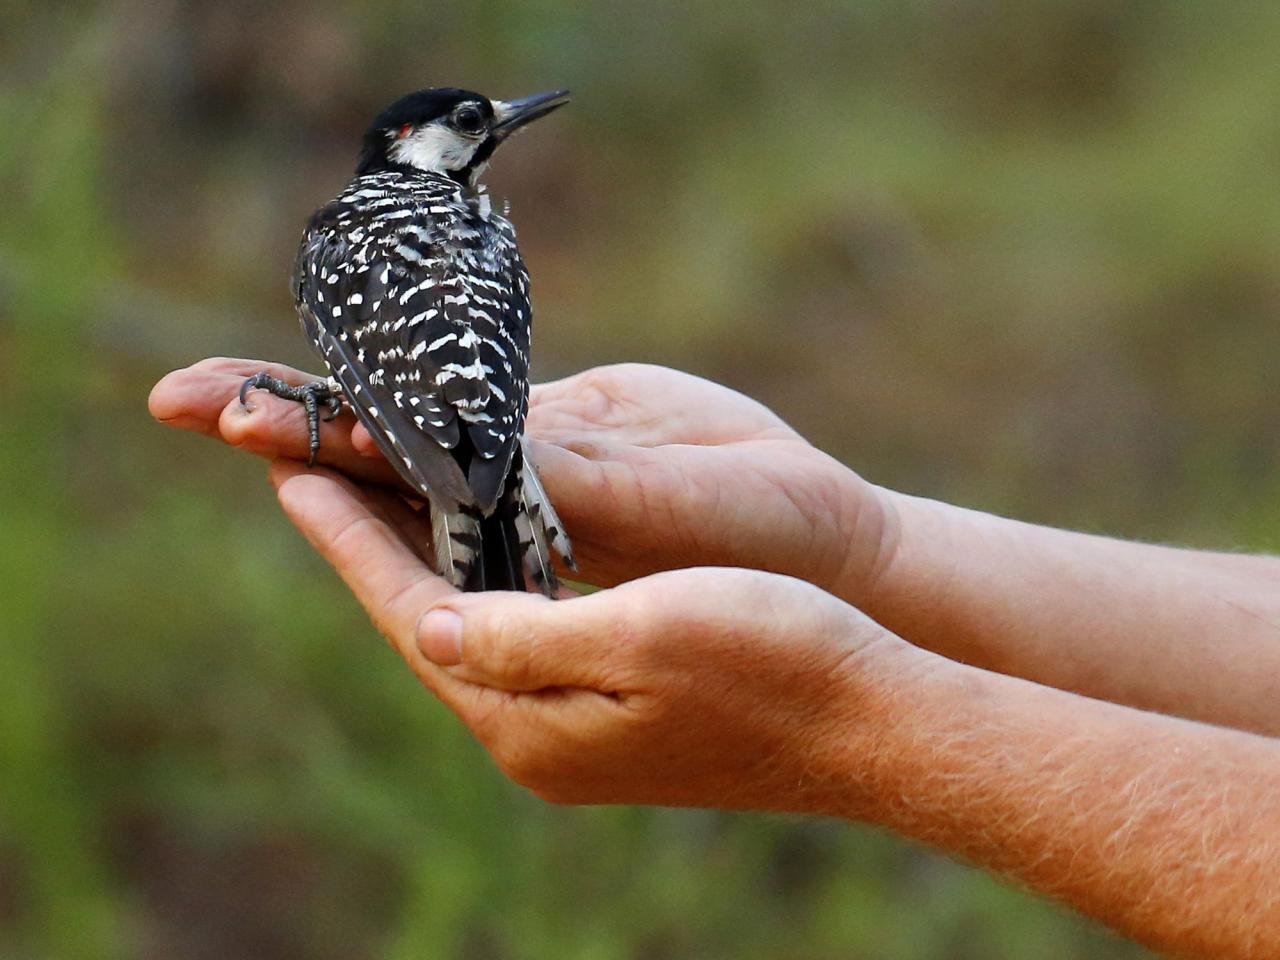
412	291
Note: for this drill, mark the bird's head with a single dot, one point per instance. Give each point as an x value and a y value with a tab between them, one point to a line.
449	131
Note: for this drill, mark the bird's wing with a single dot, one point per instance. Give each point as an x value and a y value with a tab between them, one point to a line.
410	321
499	314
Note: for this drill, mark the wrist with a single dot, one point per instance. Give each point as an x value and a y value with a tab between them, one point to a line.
910	585
870	526
869	721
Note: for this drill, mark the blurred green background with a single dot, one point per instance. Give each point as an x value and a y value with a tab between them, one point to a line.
1019	254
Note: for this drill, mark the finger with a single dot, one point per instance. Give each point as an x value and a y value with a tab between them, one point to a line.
363	443
387	577
593	401
404	601
192	398
525	642
275	428
647	406
614	502
205	398
341	521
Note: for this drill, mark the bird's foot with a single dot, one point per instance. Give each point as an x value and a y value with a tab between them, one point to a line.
311	395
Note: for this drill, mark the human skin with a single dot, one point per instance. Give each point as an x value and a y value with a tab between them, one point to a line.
738	688
655	470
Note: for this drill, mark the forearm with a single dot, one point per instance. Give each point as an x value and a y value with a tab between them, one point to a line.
1164	829
1178	631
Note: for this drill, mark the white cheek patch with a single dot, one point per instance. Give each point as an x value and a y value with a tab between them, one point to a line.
434	147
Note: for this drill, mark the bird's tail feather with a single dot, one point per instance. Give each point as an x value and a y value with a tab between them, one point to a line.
475	552
537	505
534	551
540	531
456	539
512	548
500	550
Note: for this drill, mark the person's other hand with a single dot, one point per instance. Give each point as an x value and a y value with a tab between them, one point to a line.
652	469
649	468
701	687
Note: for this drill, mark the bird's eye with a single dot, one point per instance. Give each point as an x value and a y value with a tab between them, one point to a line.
468	119
404	131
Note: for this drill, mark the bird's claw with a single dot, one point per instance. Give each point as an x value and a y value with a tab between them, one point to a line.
257	380
310	395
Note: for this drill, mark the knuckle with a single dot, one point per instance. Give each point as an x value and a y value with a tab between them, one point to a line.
346	543
512	651
389	607
631	644
624	633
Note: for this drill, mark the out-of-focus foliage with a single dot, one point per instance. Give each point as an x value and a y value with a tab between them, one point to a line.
1020	254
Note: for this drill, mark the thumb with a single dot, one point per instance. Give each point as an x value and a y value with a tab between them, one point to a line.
525	642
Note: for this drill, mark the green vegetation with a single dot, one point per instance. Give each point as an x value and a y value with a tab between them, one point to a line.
1021	254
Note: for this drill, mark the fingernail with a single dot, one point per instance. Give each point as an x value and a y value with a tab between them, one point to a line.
440	637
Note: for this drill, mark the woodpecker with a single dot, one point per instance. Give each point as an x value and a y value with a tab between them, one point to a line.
411	289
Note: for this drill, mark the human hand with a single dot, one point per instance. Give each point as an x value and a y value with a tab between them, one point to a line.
652	469
701	687
649	468
205	398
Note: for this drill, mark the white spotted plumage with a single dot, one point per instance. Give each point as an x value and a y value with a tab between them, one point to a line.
429	340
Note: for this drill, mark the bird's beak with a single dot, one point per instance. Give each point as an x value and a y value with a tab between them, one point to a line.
510	115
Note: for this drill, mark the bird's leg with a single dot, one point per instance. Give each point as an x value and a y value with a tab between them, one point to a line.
310	395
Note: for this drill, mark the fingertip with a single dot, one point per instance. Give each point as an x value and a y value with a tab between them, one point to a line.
576	474
439	636
281	471
536	448
362	442
482	634
160	400
296	491
315	500
295	472
552	455
177	401
299	488
170	400
240	423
